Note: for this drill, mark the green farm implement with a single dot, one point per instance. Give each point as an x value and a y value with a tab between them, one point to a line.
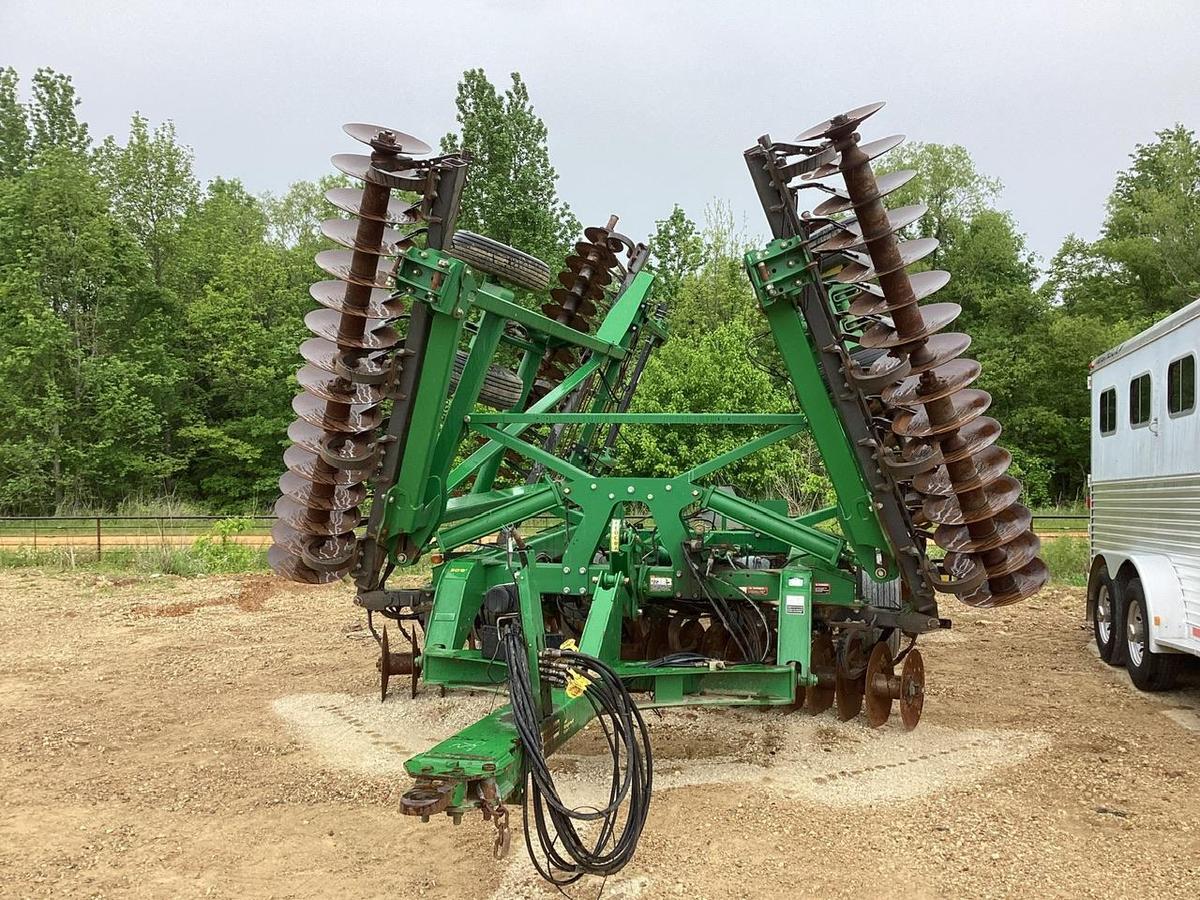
477	402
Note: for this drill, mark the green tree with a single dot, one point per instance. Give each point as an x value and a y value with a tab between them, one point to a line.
52	118
511	194
677	250
151	184
14	127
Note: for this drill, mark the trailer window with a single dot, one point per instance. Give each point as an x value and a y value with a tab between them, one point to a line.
1181	385
1108	411
1139	400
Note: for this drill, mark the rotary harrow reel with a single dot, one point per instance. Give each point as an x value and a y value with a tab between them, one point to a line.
461	406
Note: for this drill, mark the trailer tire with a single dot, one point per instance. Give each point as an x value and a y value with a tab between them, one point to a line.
505	262
501	388
1148	671
1104	608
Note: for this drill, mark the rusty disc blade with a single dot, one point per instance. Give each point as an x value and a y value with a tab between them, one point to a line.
850	234
990	464
399	212
313	521
1017	555
294	540
851	679
912	689
823	664
886	370
840	123
599	253
326	497
1001	494
329	386
293	568
969	404
363	168
860	268
327	323
345	232
915	459
598	273
840	202
330	553
553	311
1026	582
597	234
974	436
685	634
878	697
357	366
873	303
941	348
960	574
1009	523
308	464
953	376
338	263
349	419
388	140
716	640
380	303
935	316
587	289
563	297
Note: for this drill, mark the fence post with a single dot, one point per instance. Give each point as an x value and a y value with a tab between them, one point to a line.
35	535
97	538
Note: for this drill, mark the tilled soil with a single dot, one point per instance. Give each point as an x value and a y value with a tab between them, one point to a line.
223	737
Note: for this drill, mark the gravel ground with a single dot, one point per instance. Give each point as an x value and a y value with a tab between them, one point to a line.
220	737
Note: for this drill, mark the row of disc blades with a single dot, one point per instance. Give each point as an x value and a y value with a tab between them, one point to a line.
347	362
942	447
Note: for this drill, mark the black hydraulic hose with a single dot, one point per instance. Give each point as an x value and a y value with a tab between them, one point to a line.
567	855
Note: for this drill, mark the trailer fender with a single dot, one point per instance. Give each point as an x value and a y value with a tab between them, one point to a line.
1164	594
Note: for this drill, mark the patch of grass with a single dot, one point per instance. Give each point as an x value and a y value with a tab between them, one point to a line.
1068	559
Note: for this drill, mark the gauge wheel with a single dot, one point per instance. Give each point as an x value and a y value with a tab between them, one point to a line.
1149	671
1104	617
505	262
501	387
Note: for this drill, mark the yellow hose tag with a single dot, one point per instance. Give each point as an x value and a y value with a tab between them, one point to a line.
569	644
577	684
614	535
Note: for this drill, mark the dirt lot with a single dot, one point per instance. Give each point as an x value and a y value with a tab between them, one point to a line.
223	737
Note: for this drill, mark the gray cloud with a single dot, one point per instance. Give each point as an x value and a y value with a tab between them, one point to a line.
648	103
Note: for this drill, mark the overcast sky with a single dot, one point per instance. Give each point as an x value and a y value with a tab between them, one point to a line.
647	103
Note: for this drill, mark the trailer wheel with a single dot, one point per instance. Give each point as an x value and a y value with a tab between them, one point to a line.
505	262
1104	617
1149	671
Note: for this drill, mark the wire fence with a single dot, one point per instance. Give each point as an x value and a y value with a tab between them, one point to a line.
98	534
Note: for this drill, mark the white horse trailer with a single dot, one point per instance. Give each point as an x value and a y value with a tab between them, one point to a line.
1144	585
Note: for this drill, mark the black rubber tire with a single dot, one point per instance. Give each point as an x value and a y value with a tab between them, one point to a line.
505	262
501	388
1148	671
1103	608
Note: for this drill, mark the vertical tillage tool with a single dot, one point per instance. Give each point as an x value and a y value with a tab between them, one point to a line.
479	412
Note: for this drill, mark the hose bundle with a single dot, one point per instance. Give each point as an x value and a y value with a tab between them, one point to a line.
566	855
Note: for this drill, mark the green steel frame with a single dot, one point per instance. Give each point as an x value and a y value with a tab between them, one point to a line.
621	545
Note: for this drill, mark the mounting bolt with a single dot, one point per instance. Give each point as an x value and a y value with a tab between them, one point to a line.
595	579
695	493
649	496
442	264
629	490
583	570
566	490
566	570
593	485
667	488
678	574
582	590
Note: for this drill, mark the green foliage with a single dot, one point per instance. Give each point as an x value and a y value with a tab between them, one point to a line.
219	551
1067	558
677	251
511	195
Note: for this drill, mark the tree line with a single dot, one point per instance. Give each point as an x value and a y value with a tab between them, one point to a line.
151	323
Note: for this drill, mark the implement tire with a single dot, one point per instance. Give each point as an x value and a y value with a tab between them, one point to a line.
501	388
505	262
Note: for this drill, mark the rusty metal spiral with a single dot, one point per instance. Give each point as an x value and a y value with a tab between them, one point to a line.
348	369
944	445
